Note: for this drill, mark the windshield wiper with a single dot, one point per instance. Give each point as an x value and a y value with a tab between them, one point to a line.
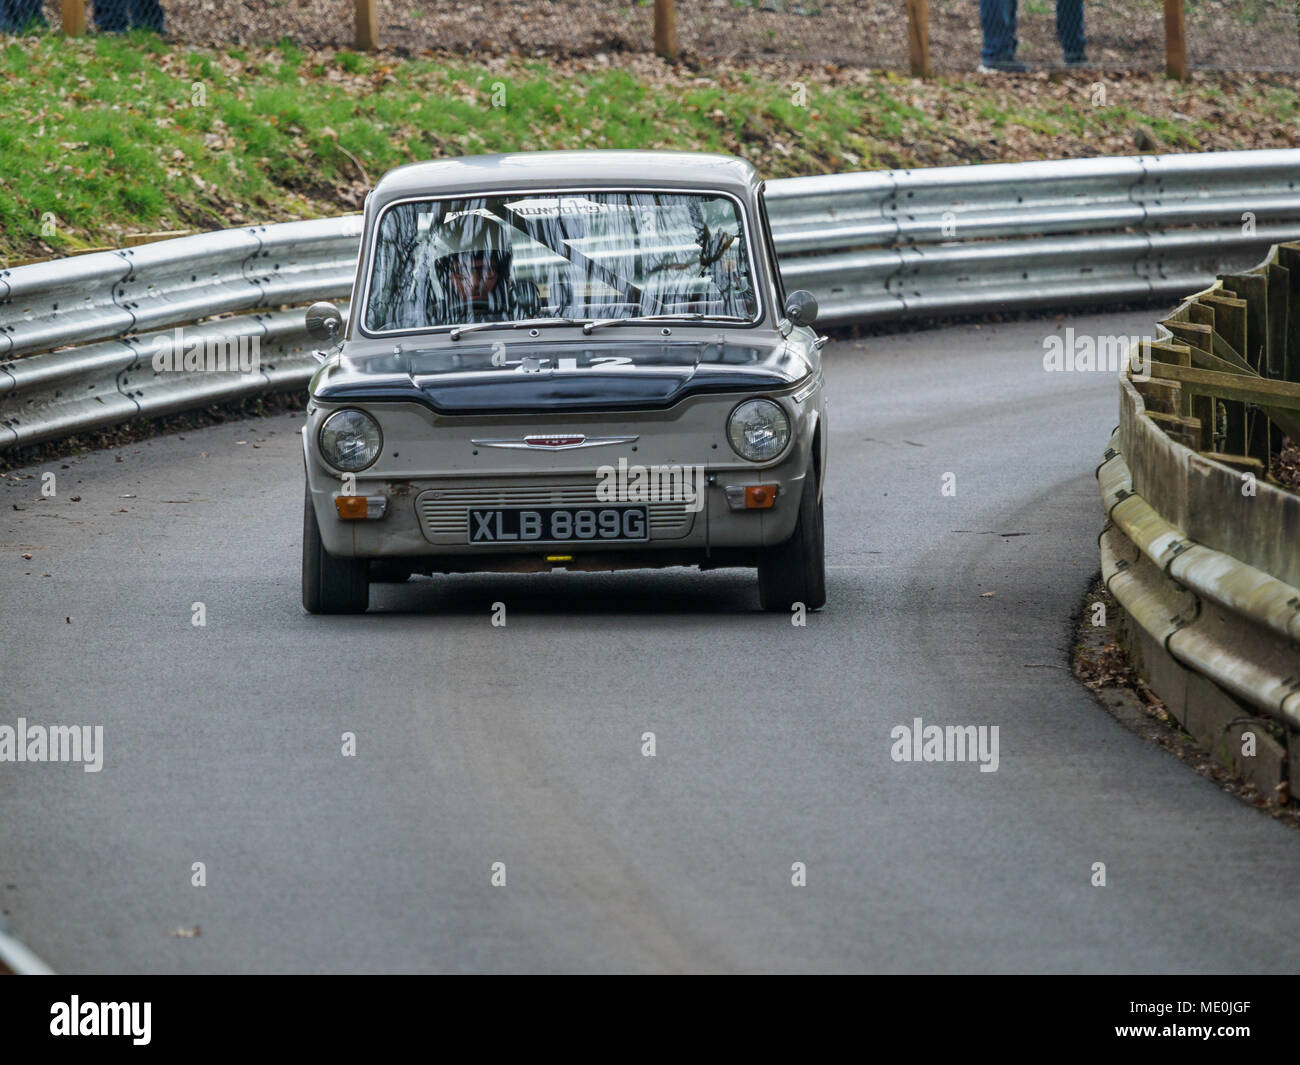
589	324
643	318
475	327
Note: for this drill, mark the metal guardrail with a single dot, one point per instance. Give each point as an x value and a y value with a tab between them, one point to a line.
1200	549
114	306
869	245
1020	235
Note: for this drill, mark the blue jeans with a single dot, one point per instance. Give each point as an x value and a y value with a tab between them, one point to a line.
998	21
17	15
114	16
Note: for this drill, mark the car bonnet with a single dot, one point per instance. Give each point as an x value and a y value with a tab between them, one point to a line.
470	377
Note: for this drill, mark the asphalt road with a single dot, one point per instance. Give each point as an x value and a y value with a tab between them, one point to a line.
523	744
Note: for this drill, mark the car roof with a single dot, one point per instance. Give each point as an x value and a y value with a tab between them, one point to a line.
570	169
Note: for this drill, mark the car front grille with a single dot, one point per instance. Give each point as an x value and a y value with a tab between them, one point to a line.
444	516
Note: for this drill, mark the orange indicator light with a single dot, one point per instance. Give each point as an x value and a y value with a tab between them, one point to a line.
350	507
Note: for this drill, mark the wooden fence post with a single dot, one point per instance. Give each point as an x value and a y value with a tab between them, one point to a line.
666	29
1175	40
74	18
918	37
367	26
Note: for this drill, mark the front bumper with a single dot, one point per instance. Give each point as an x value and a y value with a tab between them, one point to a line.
429	517
431	474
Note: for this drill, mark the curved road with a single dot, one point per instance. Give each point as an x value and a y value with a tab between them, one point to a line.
522	744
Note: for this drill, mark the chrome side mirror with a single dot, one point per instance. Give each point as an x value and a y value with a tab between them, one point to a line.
324	322
801	307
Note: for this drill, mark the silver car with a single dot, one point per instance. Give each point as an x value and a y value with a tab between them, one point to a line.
566	360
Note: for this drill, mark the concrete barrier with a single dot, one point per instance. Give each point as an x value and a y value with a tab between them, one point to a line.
1201	546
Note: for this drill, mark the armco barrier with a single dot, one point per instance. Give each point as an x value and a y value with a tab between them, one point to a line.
869	245
1201	548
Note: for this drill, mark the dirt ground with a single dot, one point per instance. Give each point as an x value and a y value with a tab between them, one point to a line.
1128	34
1286	466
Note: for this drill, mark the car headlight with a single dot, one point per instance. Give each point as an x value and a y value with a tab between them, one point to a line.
758	430
350	440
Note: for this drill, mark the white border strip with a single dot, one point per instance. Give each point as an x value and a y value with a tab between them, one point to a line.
18	957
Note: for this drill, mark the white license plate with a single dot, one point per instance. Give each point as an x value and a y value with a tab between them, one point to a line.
559	525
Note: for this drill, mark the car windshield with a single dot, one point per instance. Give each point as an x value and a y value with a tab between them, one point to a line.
562	255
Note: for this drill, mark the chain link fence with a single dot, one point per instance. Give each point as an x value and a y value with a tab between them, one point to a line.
1243	34
963	34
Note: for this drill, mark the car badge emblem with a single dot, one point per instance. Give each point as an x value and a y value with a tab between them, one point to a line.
569	440
552	441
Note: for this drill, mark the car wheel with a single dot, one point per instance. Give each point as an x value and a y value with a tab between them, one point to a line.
330	585
795	571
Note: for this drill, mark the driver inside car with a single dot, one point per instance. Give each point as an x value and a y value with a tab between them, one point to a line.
473	270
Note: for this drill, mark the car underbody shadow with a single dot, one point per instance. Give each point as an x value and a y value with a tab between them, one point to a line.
667	591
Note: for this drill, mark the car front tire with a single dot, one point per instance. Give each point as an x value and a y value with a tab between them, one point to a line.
330	585
795	571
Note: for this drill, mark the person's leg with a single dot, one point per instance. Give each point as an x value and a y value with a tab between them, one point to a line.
998	21
147	15
110	16
1069	29
21	14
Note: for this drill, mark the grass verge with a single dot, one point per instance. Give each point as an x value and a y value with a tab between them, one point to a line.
105	137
